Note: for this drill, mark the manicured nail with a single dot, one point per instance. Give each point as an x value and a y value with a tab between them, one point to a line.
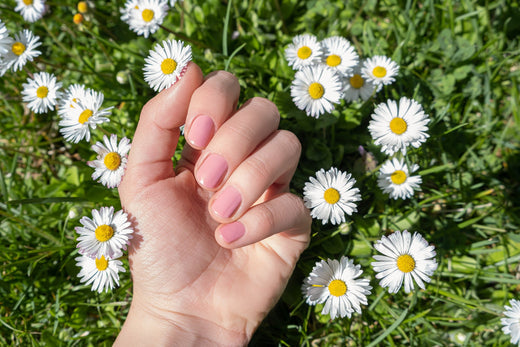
232	231
212	171
201	131
227	202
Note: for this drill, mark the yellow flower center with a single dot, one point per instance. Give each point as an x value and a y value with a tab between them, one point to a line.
379	72
112	161
78	18
398	177
331	196
337	288
333	60
405	263
304	52
82	7
147	15
27	2
18	48
168	66
101	263
398	125
42	92
104	233
316	90
357	81
84	116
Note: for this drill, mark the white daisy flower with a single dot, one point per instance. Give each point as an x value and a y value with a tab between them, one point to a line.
41	93
395	128
105	234
111	160
6	42
511	324
336	284
305	50
338	54
357	87
73	94
394	179
85	114
166	63
380	70
102	272
316	89
31	10
405	258
331	195
22	49
144	16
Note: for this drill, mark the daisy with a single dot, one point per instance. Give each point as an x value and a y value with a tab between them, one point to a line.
102	272
105	234
6	42
31	10
111	160
144	16
82	115
166	64
405	257
73	94
330	195
356	86
380	70
338	54
335	283
316	89
394	179
22	49
41	92
304	50
511	324
395	128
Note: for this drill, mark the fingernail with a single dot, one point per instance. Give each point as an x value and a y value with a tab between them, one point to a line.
212	171
201	131
232	231
227	202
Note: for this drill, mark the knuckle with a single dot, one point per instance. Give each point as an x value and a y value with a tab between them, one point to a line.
225	79
266	217
266	106
257	167
220	84
291	143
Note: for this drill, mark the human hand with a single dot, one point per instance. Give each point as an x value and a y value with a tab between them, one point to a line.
216	237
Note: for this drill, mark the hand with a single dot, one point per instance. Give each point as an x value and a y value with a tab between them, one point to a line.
217	237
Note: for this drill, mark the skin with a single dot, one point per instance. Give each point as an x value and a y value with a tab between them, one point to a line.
190	286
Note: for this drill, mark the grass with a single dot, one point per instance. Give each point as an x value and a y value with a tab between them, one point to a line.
459	59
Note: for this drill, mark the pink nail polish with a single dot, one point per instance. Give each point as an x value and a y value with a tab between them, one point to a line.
212	171
232	231
227	202
201	131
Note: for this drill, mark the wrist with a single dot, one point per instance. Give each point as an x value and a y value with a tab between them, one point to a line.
145	327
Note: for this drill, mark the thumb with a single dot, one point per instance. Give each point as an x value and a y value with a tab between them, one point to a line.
157	133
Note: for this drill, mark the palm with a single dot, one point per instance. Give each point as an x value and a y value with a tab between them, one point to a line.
184	260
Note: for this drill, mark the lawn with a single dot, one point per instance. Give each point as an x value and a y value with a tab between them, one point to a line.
459	59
